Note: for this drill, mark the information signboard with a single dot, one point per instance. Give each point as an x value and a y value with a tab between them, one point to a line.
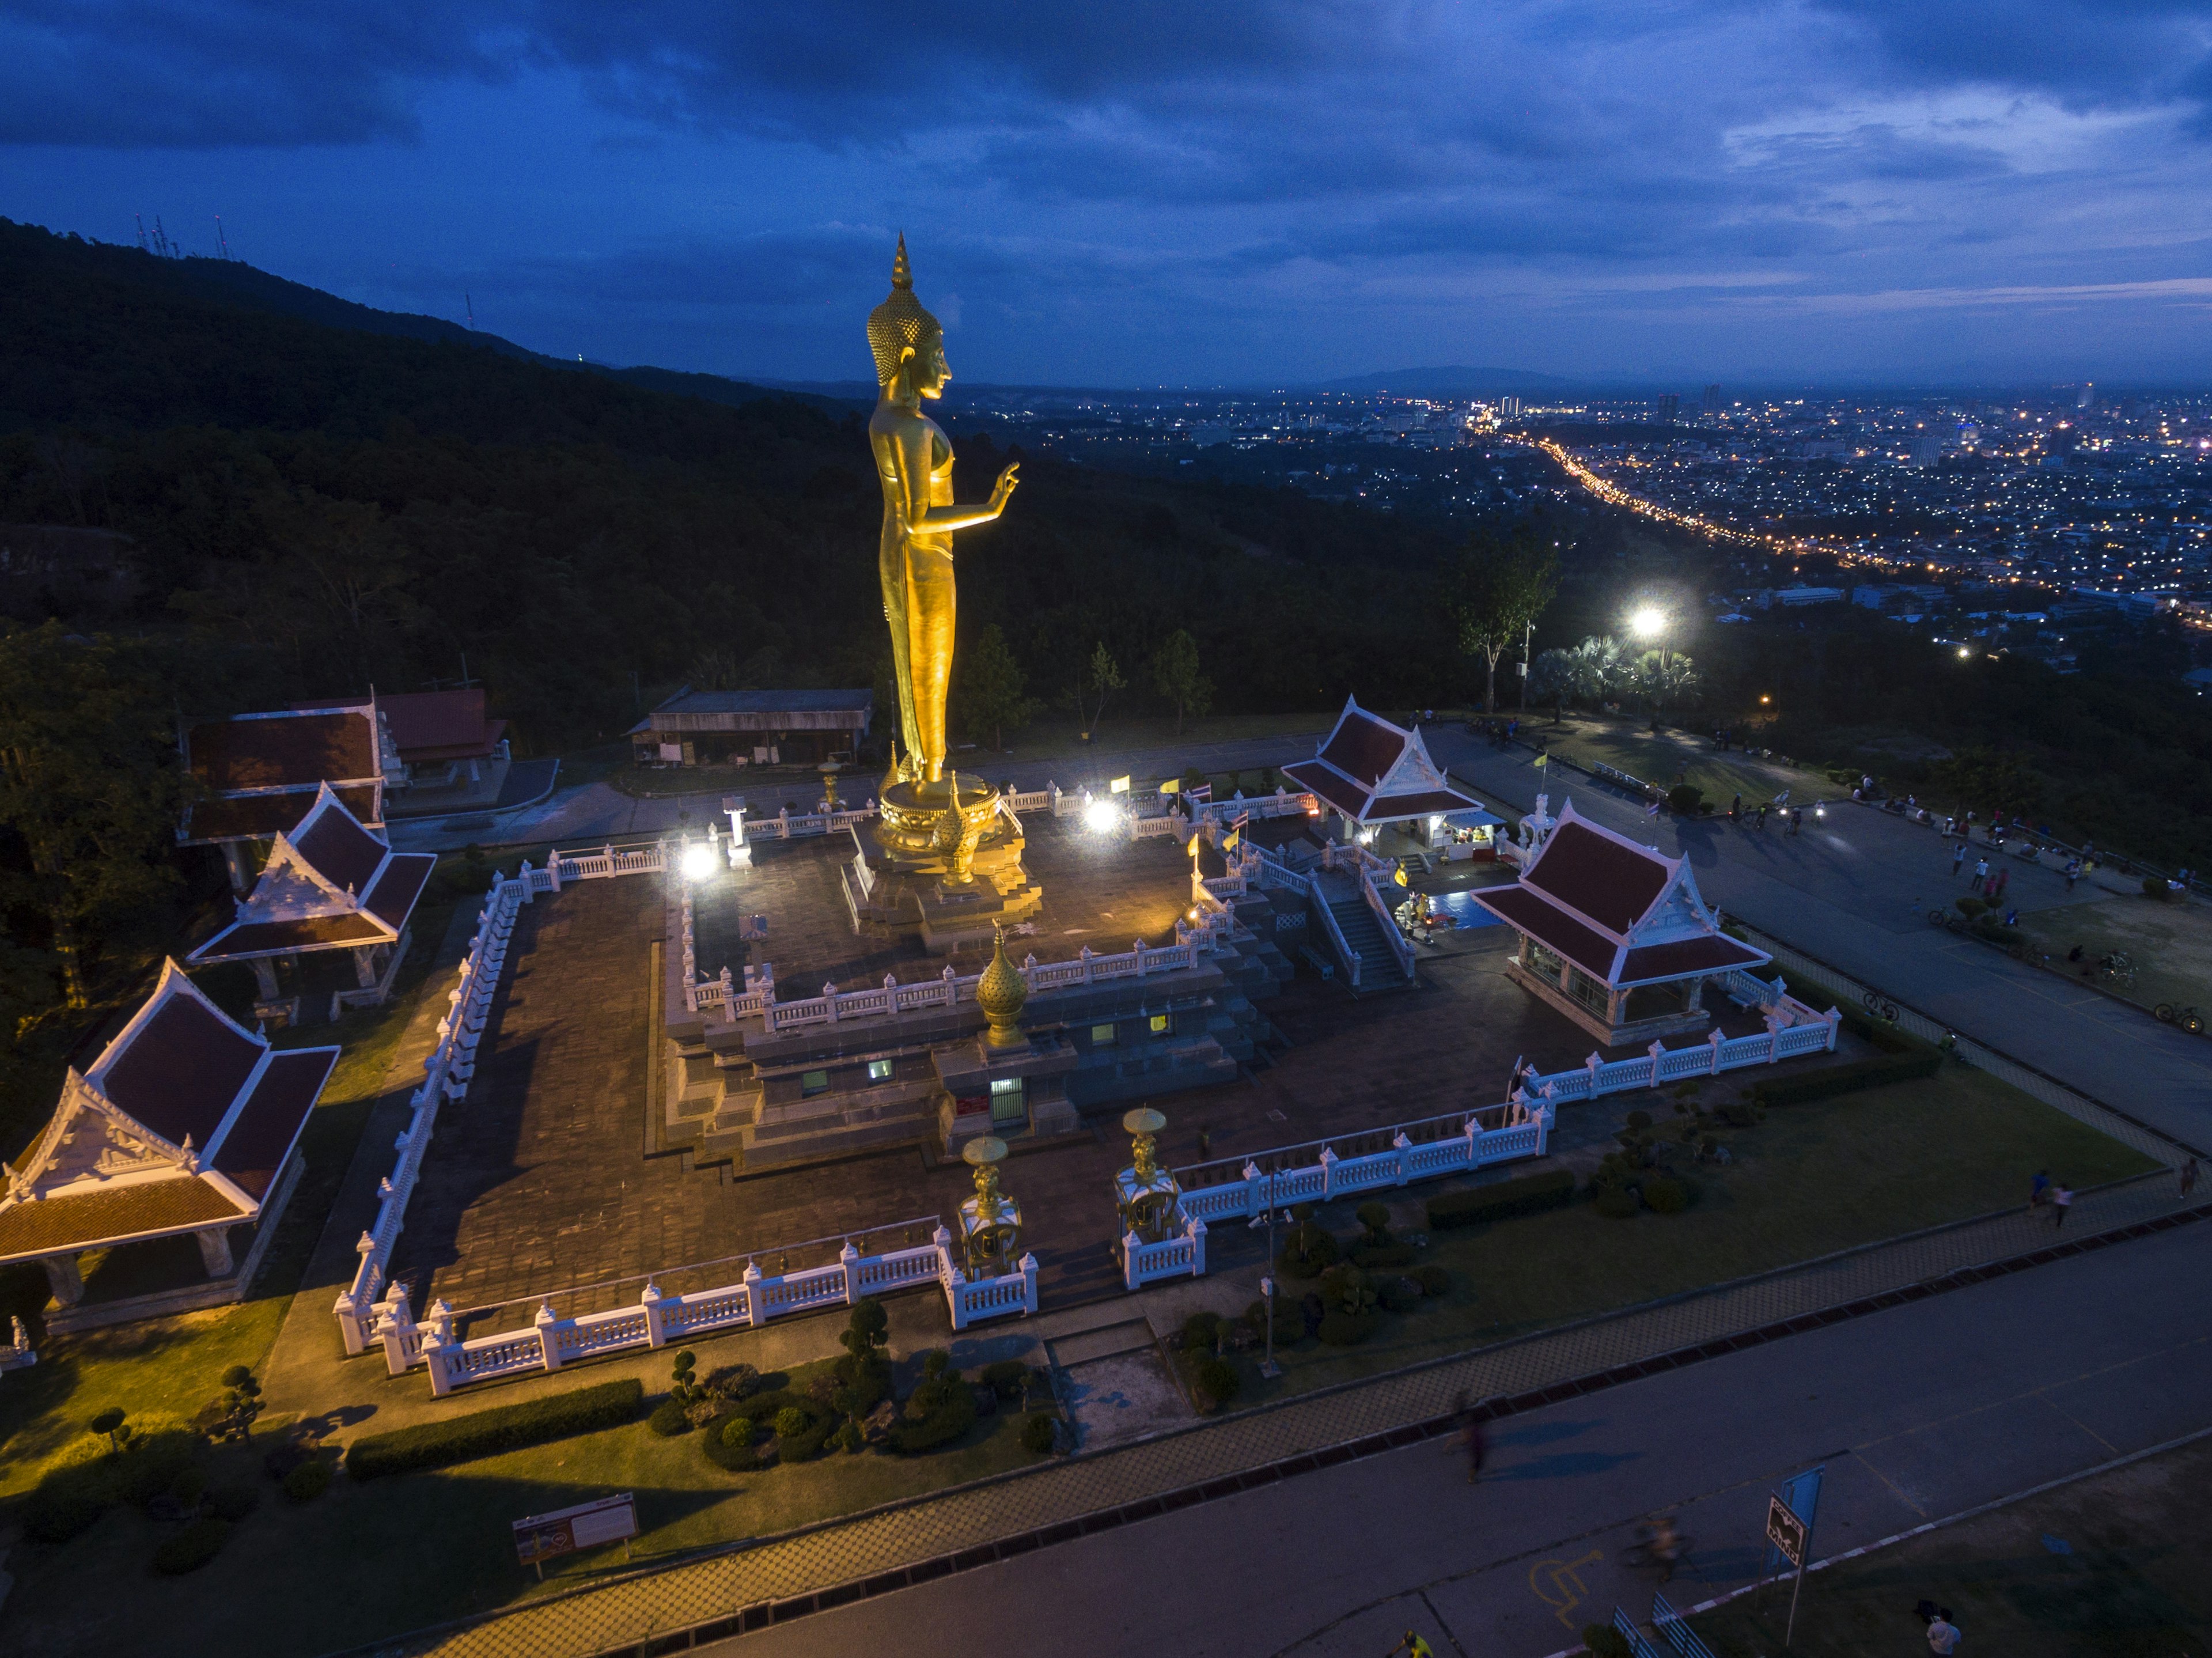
1785	1531
542	1537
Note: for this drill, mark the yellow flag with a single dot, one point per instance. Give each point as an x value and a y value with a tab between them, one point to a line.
1400	878
1543	760
1230	845
1191	850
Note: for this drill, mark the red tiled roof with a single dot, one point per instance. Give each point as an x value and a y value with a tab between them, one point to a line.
298	932
268	1125
1596	876
56	1223
279	751
429	726
181	1070
1417	805
1362	747
1589	949
1347	797
252	816
341	851
1687	956
392	899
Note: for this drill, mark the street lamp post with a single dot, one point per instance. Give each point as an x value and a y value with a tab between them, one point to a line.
1268	1368
1527	657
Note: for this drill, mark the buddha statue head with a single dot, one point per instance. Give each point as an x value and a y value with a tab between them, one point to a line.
909	343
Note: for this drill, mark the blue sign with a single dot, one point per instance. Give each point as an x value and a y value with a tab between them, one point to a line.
1802	1492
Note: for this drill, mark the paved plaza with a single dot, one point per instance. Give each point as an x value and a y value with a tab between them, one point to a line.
539	1183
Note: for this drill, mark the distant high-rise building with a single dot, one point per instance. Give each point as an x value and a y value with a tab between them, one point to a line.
1508	408
2088	398
1670	408
1712	400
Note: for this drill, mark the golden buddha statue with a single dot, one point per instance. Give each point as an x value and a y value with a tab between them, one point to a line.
913	462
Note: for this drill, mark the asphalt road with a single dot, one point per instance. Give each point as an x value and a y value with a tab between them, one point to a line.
1918	1413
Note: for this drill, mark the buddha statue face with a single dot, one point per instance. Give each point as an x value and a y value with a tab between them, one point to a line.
923	367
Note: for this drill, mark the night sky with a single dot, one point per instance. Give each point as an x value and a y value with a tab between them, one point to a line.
1194	192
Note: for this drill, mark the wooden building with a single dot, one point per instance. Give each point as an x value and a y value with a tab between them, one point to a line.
257	771
757	728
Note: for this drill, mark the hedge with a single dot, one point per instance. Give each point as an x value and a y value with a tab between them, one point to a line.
487	1433
1827	1083
1526	1196
189	1549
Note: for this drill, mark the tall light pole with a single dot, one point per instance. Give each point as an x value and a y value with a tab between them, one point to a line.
1650	622
1528	656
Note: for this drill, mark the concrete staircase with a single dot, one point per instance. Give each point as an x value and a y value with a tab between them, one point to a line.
1363	933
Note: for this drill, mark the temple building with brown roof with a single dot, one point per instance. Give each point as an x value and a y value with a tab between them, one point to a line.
452	755
1374	776
1614	935
331	883
257	771
187	1122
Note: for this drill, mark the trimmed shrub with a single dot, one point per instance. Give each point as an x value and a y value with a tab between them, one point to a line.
1528	1195
149	1467
2152	887
308	1481
1397	1294
728	1444
1685	799
1199	1332
234	1502
1848	1079
938	1412
1215	1380
1039	1432
1376	1218
769	1409
1008	1378
189	1549
1433	1280
1666	1194
487	1433
1616	1202
669	1418
1970	907
848	1437
791	1421
108	1422
1638	1121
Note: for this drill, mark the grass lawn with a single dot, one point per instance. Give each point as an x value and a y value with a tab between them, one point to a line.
1629	746
2126	1578
168	1367
2170	943
440	1543
1811	1180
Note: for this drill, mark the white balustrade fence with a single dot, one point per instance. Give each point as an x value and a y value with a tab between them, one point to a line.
1181	1256
450	1067
552	1341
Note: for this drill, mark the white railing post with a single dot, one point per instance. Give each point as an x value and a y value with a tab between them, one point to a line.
434	1355
1029	1284
1328	1174
1833	1019
1196	1231
523	875
1593	1064
849	1259
1130	1245
1713	1042
1255	1191
755	1315
651	1301
549	1347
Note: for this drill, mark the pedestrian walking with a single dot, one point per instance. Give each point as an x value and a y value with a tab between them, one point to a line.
1957	858
2036	1188
1735	809
2003	876
1981	870
2188	1177
1762	817
2072	872
1412	1647
2062	1199
1942	1634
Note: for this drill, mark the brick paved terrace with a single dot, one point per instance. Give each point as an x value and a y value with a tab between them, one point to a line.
537	1183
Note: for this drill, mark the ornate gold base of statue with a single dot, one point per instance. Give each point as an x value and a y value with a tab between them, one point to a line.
945	863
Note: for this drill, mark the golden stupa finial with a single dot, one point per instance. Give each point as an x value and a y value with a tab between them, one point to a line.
1000	993
902	273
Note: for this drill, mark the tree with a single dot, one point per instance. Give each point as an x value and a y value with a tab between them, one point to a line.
88	787
992	687
1665	681
1099	678
1498	586
1176	678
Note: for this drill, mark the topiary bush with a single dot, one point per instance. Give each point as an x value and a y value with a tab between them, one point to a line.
940	1410
1685	799
1616	1202
1215	1381
1666	1194
308	1481
1008	1377
1310	1250
109	1422
1396	1294
669	1418
485	1433
1039	1433
1527	1195
1376	1218
189	1548
791	1421
728	1444
1433	1280
1201	1330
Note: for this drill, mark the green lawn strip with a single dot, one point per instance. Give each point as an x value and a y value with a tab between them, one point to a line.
1811	1180
1661	759
167	1368
2132	1583
446	1536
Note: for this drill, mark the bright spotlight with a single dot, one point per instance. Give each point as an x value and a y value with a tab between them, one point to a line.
1649	622
1966	652
1099	817
698	862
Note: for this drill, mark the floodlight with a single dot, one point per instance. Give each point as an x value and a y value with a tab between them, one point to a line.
1099	817
1649	622
698	862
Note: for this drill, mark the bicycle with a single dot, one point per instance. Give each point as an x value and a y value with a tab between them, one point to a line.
2118	968
2187	1018
1879	1006
1656	1548
1949	919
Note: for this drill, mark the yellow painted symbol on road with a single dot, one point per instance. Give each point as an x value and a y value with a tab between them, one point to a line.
1559	1584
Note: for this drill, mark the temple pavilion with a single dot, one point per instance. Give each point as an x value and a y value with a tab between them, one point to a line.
1377	776
331	883
187	1122
1614	935
452	755
257	771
